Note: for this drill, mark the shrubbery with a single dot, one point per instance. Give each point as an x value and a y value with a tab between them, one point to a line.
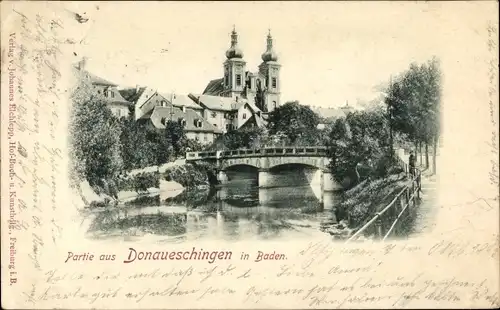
187	175
141	182
95	138
359	146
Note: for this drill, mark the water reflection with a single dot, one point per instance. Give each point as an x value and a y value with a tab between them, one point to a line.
237	211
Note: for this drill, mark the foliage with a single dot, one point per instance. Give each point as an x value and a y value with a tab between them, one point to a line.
144	201
247	137
358	146
413	102
141	145
175	137
140	182
296	122
95	138
362	201
187	175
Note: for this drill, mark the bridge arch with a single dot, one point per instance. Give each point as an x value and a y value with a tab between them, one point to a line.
315	162
240	165
291	166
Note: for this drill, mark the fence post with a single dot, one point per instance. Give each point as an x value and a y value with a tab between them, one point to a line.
378	225
407	197
418	186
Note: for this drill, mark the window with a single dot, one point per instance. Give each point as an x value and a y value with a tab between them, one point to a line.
112	94
205	137
198	123
275	82
250	84
244	116
99	92
214	114
226	79
227	126
105	93
215	125
238	79
182	122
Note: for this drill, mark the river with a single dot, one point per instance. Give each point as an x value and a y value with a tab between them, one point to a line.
239	210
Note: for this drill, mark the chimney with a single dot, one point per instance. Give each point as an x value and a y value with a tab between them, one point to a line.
183	109
137	87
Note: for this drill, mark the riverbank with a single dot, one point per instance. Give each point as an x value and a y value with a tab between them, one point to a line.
147	185
360	203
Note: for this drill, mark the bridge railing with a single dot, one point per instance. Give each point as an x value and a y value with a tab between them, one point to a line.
395	212
269	151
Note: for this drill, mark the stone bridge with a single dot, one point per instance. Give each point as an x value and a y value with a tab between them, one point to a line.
267	161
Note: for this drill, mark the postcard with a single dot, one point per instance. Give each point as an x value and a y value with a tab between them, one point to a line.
249	155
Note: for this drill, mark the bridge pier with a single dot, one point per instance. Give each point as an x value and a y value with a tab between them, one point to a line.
264	179
329	182
222	177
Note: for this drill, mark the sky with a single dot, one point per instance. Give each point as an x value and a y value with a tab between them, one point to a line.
331	53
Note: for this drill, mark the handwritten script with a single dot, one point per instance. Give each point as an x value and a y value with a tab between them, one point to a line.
446	272
319	277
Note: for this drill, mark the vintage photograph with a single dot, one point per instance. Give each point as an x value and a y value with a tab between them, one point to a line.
249	155
239	154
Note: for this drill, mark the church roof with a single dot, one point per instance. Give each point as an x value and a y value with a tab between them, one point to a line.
158	114
214	87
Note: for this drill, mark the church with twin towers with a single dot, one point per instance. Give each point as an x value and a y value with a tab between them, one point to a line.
260	88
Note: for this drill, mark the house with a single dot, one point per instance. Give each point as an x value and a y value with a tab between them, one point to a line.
107	91
195	126
226	113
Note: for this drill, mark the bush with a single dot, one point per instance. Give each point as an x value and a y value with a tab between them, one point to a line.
94	140
140	182
358	146
187	175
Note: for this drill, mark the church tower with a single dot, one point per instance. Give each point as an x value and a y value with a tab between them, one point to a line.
234	69
270	69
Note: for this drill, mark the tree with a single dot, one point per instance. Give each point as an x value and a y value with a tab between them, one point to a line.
175	139
414	100
141	145
95	141
360	142
296	122
247	137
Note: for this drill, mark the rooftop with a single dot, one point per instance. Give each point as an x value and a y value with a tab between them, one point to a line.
180	100
219	103
160	114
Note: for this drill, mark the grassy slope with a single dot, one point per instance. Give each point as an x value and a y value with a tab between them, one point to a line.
360	203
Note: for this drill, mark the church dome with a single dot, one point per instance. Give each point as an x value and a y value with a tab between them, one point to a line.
234	51
269	54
